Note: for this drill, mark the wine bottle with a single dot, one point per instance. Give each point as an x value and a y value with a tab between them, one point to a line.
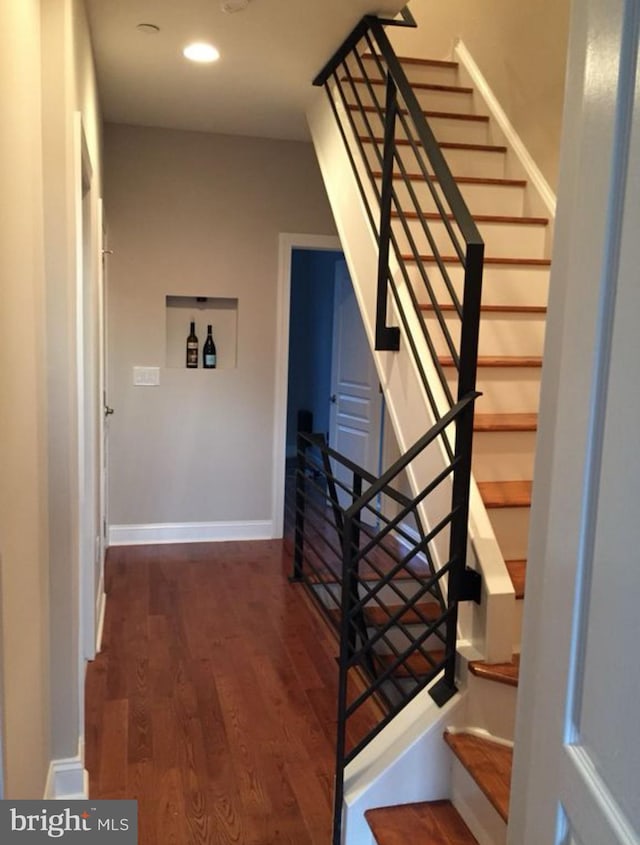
209	357
192	347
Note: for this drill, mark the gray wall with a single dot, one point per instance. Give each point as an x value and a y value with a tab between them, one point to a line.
46	75
197	214
23	504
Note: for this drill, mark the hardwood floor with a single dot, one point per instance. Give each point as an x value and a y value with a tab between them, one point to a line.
213	701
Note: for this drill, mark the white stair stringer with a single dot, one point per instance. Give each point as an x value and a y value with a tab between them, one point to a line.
488	626
407	762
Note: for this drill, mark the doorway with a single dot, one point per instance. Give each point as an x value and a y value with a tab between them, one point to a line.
311	270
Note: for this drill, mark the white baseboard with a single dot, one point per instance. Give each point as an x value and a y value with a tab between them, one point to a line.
67	779
189	532
532	170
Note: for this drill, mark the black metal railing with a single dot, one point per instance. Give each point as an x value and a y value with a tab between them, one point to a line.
415	209
390	584
378	576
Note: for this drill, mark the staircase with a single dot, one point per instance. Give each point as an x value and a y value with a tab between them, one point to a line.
517	240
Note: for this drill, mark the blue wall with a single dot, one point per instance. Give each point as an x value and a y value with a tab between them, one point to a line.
310	338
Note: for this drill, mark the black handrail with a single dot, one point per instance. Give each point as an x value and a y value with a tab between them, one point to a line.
420	139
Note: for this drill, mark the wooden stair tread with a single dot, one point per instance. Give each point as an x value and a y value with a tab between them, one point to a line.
426	823
488	260
502	673
467	180
444	145
410	60
505	494
517	572
492	309
505	422
461	180
499	361
478	218
416	663
429	113
376	616
326	576
488	763
421	86
422	611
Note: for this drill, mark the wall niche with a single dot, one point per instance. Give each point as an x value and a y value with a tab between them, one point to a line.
220	312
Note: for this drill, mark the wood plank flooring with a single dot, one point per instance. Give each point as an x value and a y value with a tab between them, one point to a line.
213	701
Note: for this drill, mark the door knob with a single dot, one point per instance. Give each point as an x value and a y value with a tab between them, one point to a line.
333	398
108	411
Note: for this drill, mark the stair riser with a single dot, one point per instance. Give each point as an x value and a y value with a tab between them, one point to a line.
511	527
491	706
500	285
458	102
481	199
500	334
507	390
477	163
329	594
502	240
432	74
444	128
399	640
503	456
482	819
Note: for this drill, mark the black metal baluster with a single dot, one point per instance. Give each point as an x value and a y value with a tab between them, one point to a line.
387	337
353	562
345	650
301	471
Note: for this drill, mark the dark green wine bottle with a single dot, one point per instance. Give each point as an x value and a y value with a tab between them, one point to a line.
209	357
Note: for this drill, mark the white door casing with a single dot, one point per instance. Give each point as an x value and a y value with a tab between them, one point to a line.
103	419
356	399
287	243
577	753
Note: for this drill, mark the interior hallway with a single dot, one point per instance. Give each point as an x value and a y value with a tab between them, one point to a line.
213	699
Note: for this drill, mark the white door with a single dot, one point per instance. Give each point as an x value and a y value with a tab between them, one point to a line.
577	758
356	400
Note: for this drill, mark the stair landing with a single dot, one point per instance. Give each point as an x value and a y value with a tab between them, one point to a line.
428	823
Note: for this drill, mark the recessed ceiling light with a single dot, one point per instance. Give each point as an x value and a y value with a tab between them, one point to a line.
201	52
148	28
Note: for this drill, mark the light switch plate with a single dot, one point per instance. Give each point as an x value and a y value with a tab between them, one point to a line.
146	376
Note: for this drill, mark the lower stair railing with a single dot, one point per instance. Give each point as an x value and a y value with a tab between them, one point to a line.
387	564
374	567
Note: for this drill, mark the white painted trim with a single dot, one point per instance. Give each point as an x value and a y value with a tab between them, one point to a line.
481	85
67	779
287	243
481	733
407	761
189	532
100	611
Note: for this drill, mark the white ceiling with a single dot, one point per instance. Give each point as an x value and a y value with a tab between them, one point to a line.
261	86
